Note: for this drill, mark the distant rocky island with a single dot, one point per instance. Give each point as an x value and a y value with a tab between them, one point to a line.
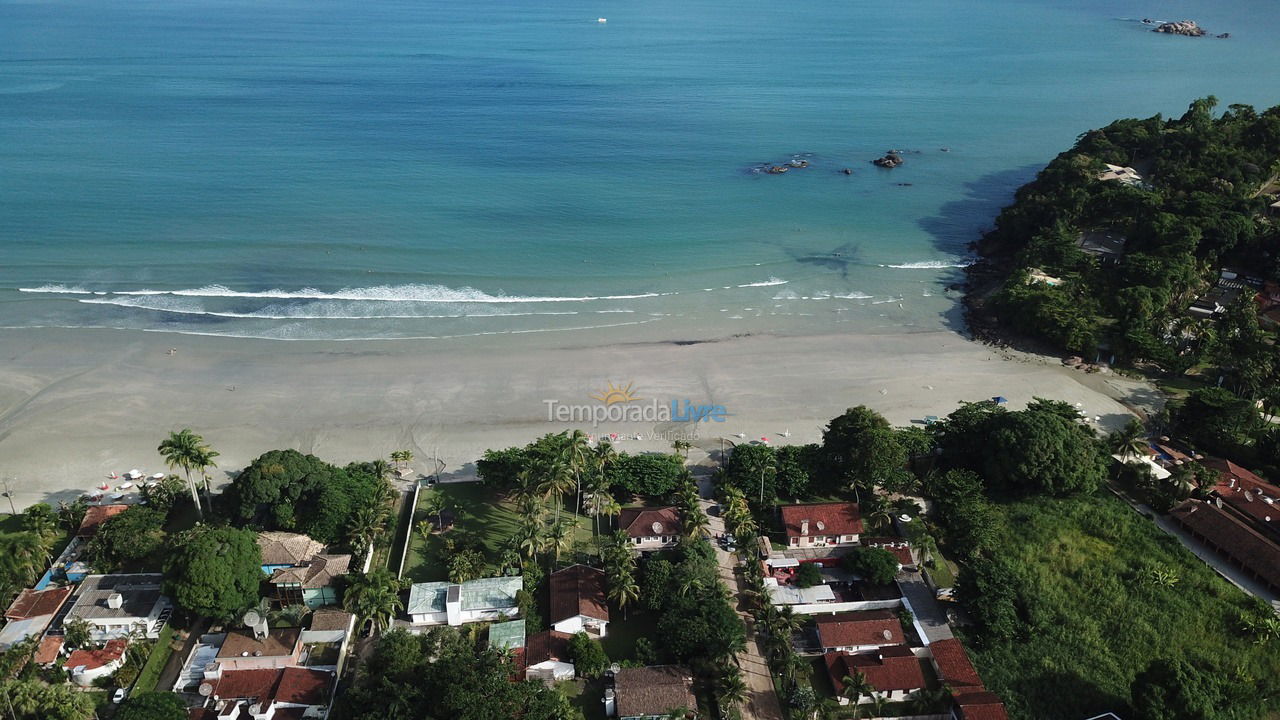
1188	28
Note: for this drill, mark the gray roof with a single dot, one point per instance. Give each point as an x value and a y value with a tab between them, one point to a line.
138	593
482	594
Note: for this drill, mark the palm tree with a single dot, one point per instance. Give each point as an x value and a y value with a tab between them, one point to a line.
732	689
605	457
624	593
682	446
555	481
924	701
184	449
694	522
530	538
577	456
374	598
878	703
762	465
878	513
402	458
600	502
559	538
1129	441
364	527
855	687
434	504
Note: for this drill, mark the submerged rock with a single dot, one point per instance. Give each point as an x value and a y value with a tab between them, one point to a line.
846	171
1181	27
890	160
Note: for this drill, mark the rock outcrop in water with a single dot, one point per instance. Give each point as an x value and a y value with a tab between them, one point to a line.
1182	27
890	160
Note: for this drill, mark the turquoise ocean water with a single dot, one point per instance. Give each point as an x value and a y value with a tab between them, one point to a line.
391	169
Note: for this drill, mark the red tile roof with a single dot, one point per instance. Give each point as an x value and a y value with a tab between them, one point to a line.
546	645
578	590
639	522
90	659
953	664
1231	537
202	714
50	646
301	686
1247	494
96	515
981	706
34	603
854	629
824	519
889	668
900	548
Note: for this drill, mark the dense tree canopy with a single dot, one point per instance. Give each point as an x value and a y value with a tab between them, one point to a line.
441	675
875	564
215	572
127	538
861	448
286	490
653	475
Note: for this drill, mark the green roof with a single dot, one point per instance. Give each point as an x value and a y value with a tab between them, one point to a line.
482	594
507	635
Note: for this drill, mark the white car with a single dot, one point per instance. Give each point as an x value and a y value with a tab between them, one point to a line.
119	695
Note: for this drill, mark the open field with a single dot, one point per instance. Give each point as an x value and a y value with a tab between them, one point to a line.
1093	615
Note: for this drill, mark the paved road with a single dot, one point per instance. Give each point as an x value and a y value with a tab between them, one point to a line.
762	701
928	611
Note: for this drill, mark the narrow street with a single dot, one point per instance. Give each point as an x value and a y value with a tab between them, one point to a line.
762	700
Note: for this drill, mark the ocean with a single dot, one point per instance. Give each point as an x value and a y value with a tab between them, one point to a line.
567	172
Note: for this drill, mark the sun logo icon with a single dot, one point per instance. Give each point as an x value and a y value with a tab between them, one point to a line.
615	394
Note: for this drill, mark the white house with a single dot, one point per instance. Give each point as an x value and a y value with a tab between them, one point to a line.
437	603
546	657
650	528
115	605
578	601
86	666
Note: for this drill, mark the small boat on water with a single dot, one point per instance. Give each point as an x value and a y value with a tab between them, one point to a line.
602	20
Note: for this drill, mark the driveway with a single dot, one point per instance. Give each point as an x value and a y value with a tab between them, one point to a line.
928	611
762	700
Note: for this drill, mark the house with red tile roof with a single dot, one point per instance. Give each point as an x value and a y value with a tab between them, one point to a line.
858	631
578	601
546	657
1250	497
270	693
95	515
894	672
49	649
1233	538
822	524
972	700
87	665
898	547
30	614
650	528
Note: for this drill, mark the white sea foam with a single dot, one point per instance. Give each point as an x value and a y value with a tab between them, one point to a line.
765	283
786	295
852	296
310	311
384	293
930	264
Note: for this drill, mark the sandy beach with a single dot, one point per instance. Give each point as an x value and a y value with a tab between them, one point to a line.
76	405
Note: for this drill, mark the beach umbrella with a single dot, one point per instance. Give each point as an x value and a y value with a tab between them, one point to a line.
158	476
764	440
133	474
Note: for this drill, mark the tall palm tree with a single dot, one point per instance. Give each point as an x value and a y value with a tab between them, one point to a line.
555	481
878	703
559	539
682	446
577	456
855	687
600	502
186	450
694	522
364	527
374	598
434	504
530	538
1129	441
625	592
732	690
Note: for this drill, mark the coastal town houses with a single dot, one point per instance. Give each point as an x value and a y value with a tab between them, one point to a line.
578	601
822	525
88	664
860	631
119	605
656	692
650	528
971	700
486	599
893	672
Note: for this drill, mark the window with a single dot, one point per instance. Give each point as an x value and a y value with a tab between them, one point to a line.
795	540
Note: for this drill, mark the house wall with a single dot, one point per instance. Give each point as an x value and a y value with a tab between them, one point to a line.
319	597
470	616
653	542
819	608
273	662
430	618
808	541
86	678
581	623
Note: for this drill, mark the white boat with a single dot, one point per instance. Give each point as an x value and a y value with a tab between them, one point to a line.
602	20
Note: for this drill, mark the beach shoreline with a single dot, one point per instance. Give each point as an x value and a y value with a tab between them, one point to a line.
76	406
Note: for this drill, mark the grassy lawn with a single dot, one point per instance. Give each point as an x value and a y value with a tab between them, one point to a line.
943	571
586	696
620	643
160	653
479	510
1093	617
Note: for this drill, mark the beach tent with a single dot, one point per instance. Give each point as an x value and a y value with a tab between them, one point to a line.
999	400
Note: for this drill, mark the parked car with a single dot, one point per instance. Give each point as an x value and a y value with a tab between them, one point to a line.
119	695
